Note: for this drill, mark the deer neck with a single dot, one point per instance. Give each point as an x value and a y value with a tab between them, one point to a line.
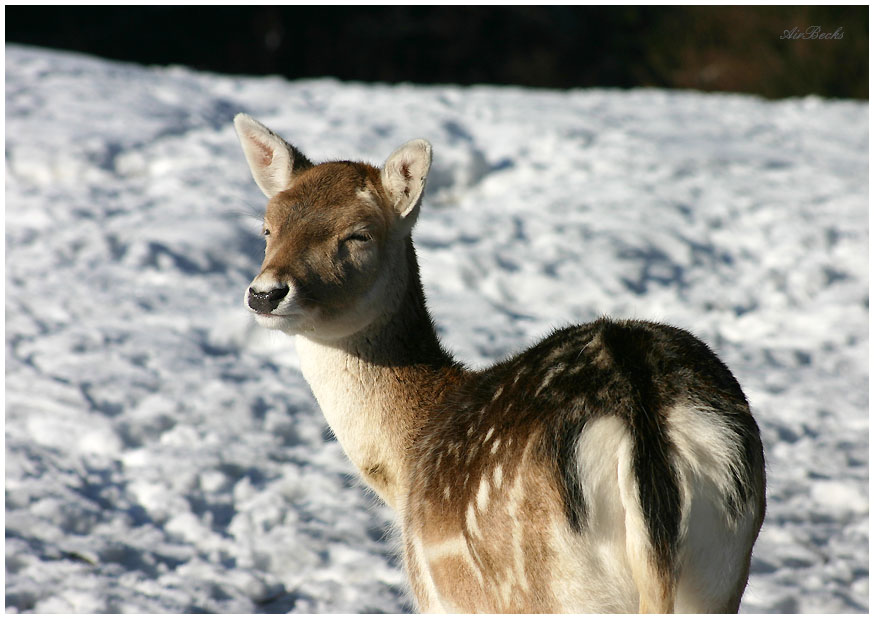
376	386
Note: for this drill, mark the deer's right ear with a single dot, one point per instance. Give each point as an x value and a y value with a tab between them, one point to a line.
273	161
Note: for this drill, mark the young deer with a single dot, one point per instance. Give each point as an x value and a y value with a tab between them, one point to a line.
612	467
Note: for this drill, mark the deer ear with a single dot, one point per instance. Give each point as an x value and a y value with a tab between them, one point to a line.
273	161
403	177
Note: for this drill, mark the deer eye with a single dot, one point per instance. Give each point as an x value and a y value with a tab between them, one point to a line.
358	237
266	232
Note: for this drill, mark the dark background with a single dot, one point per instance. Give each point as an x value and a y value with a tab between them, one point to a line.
705	48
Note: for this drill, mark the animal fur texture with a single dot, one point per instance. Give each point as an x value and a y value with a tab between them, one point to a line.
611	467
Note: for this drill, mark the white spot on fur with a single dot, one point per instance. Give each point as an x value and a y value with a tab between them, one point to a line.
505	587
498	393
551	373
482	495
515	497
453	546
498	476
488	434
495	445
447	547
470	520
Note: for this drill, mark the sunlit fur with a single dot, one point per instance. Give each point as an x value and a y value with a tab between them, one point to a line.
610	467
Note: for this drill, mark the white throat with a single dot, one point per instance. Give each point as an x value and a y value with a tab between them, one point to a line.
362	413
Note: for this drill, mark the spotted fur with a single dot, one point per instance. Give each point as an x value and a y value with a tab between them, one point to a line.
611	467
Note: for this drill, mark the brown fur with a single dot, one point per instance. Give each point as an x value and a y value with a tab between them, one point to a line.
482	466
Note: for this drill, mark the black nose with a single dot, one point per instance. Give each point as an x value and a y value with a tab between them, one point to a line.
266	302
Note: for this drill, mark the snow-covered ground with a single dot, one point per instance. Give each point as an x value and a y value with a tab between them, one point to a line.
165	455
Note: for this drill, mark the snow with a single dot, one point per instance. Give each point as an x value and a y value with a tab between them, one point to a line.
164	455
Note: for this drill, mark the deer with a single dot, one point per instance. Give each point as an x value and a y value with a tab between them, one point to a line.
613	466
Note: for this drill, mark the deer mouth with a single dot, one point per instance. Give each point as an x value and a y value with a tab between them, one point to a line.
290	321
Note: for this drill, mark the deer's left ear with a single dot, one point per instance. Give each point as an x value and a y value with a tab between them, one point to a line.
403	177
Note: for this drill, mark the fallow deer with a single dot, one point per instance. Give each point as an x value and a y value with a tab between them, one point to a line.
612	467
